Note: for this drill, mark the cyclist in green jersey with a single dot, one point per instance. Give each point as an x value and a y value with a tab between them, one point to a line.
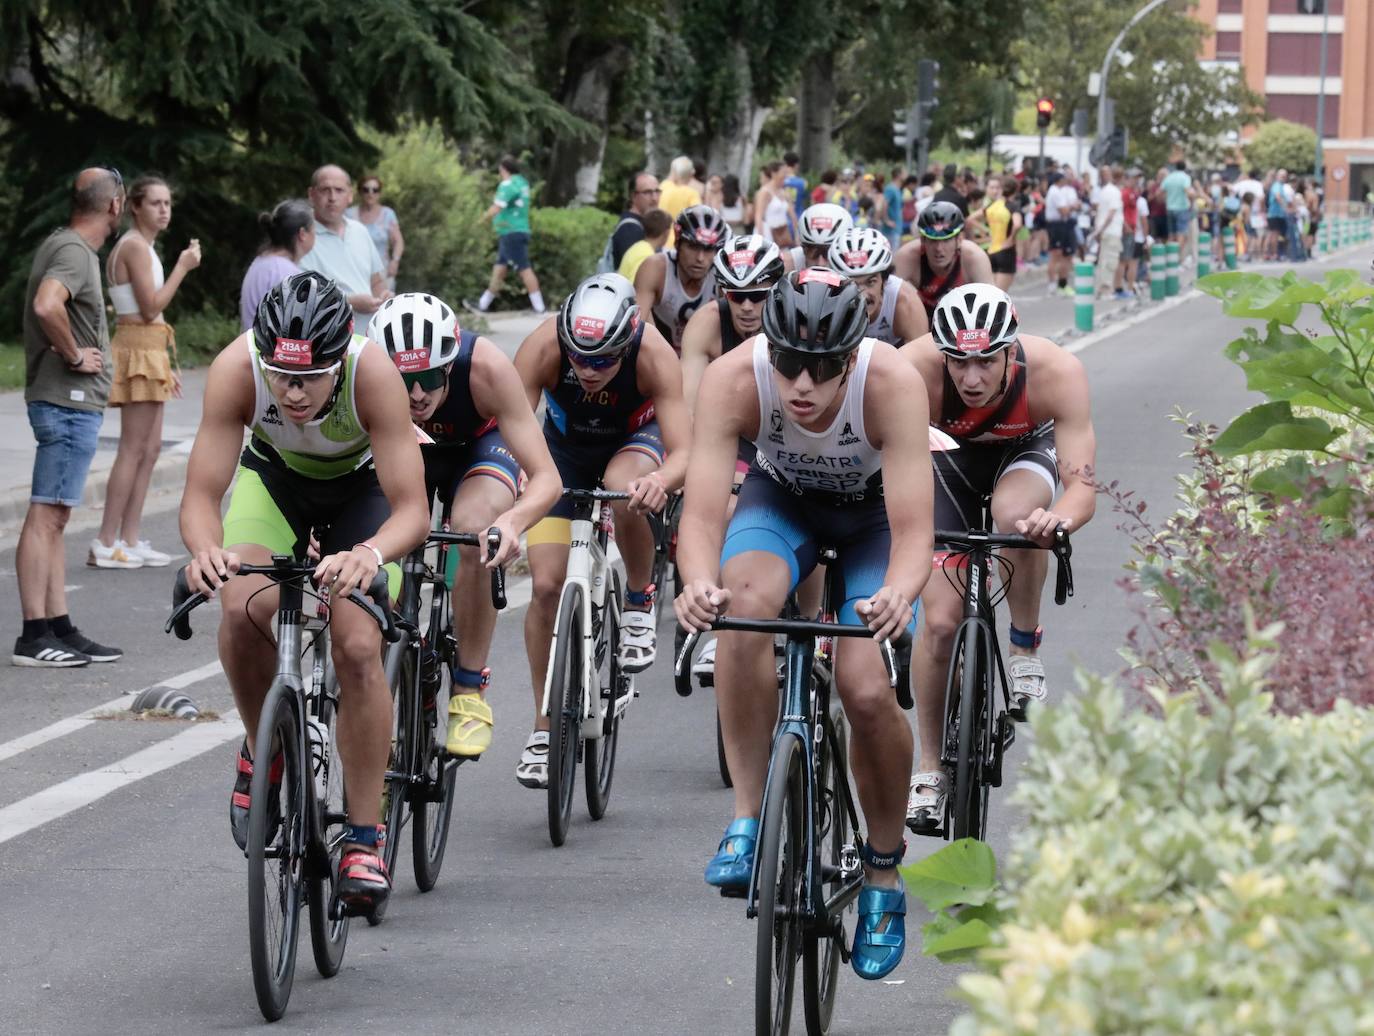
332	450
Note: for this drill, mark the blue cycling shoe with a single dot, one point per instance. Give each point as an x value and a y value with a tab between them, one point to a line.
877	950
733	863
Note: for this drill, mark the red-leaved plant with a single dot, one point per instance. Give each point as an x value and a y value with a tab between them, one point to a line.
1229	551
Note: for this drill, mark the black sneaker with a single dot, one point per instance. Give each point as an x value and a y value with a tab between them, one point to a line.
79	642
47	652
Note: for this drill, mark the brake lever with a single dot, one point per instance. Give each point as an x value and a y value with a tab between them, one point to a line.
682	668
498	574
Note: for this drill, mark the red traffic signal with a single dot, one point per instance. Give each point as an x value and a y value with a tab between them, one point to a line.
1044	112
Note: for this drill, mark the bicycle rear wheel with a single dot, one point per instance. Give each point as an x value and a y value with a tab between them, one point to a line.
599	754
432	808
396	789
565	711
821	954
968	801
328	936
781	889
276	853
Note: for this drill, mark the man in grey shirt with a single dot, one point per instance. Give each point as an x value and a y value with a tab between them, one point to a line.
67	382
343	250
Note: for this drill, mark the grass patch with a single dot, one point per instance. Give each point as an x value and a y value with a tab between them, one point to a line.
11	366
155	715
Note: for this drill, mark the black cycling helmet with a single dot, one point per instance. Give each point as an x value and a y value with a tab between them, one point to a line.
940	220
816	311
701	225
600	317
304	322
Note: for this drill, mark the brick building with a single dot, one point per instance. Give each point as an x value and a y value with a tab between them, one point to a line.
1278	43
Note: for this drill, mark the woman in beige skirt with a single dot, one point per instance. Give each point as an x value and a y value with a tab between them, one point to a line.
144	352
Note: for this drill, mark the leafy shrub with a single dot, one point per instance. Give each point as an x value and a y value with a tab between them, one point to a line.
1190	870
200	336
1280	144
1229	554
564	247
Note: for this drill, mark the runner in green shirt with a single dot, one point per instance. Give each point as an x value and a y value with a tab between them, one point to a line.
510	218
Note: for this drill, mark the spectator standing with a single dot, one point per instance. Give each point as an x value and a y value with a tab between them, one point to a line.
1252	215
794	185
644	193
714	195
657	224
953	190
143	378
1132	235
1108	225
734	208
678	192
895	224
288	233
825	190
1178	201
698	181
382	226
1277	210
1003	225
66	384
343	249
772	209
510	218
1061	208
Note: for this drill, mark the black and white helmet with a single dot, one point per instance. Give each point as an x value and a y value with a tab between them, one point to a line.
420	331
600	317
859	252
748	261
821	224
816	311
305	321
974	320
701	225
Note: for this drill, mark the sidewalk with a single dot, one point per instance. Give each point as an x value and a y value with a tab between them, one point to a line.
180	421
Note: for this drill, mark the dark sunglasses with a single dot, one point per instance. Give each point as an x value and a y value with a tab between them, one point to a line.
791	362
650	190
372	190
747	294
594	363
429	381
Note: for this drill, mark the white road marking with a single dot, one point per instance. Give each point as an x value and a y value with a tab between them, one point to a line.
82	790
63	727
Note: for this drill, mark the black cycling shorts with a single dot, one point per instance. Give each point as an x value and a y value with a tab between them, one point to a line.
963	477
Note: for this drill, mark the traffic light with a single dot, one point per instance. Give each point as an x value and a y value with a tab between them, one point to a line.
1044	112
899	127
927	99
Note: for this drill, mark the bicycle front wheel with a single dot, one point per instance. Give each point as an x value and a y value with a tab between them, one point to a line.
396	789
432	805
328	936
721	762
276	853
599	753
821	954
968	803
565	711
781	870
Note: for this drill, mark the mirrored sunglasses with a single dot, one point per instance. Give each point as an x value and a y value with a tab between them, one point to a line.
791	362
429	381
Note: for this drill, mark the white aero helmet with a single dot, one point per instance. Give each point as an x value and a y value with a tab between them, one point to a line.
859	252
821	224
974	320
600	317
419	331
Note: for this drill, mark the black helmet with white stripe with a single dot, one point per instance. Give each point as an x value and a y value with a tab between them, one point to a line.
974	320
304	322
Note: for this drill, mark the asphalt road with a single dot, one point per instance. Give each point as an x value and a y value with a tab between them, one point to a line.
125	911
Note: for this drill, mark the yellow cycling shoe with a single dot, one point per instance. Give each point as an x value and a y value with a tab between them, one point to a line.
469	725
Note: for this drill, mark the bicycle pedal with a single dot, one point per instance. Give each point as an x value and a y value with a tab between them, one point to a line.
733	893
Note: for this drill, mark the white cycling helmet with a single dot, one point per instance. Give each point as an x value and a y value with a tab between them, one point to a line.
821	224
419	331
600	317
860	252
747	261
974	320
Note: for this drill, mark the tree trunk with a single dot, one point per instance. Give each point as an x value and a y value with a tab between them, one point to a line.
731	146
816	110
574	170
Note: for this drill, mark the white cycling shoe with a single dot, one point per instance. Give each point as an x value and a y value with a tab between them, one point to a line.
704	668
638	640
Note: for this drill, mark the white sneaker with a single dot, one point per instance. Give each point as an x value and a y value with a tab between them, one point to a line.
704	669
143	550
117	556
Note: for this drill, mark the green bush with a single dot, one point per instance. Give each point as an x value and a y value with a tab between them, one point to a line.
200	336
1204	868
564	247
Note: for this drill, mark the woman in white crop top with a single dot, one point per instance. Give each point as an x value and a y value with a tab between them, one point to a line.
143	378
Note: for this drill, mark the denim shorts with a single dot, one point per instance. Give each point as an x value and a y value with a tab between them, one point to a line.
513	250
66	443
1179	220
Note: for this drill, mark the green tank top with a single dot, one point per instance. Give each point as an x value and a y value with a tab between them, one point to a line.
327	447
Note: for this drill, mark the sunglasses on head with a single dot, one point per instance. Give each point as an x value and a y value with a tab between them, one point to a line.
282	377
119	180
747	294
429	381
594	363
791	362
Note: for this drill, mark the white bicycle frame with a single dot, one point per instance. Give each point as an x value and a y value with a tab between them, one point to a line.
590	568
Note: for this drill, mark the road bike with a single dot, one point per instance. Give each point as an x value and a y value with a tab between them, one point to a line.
296	829
807	868
980	720
421	775
586	691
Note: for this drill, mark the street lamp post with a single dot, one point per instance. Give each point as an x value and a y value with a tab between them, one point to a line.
1103	130
1321	98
